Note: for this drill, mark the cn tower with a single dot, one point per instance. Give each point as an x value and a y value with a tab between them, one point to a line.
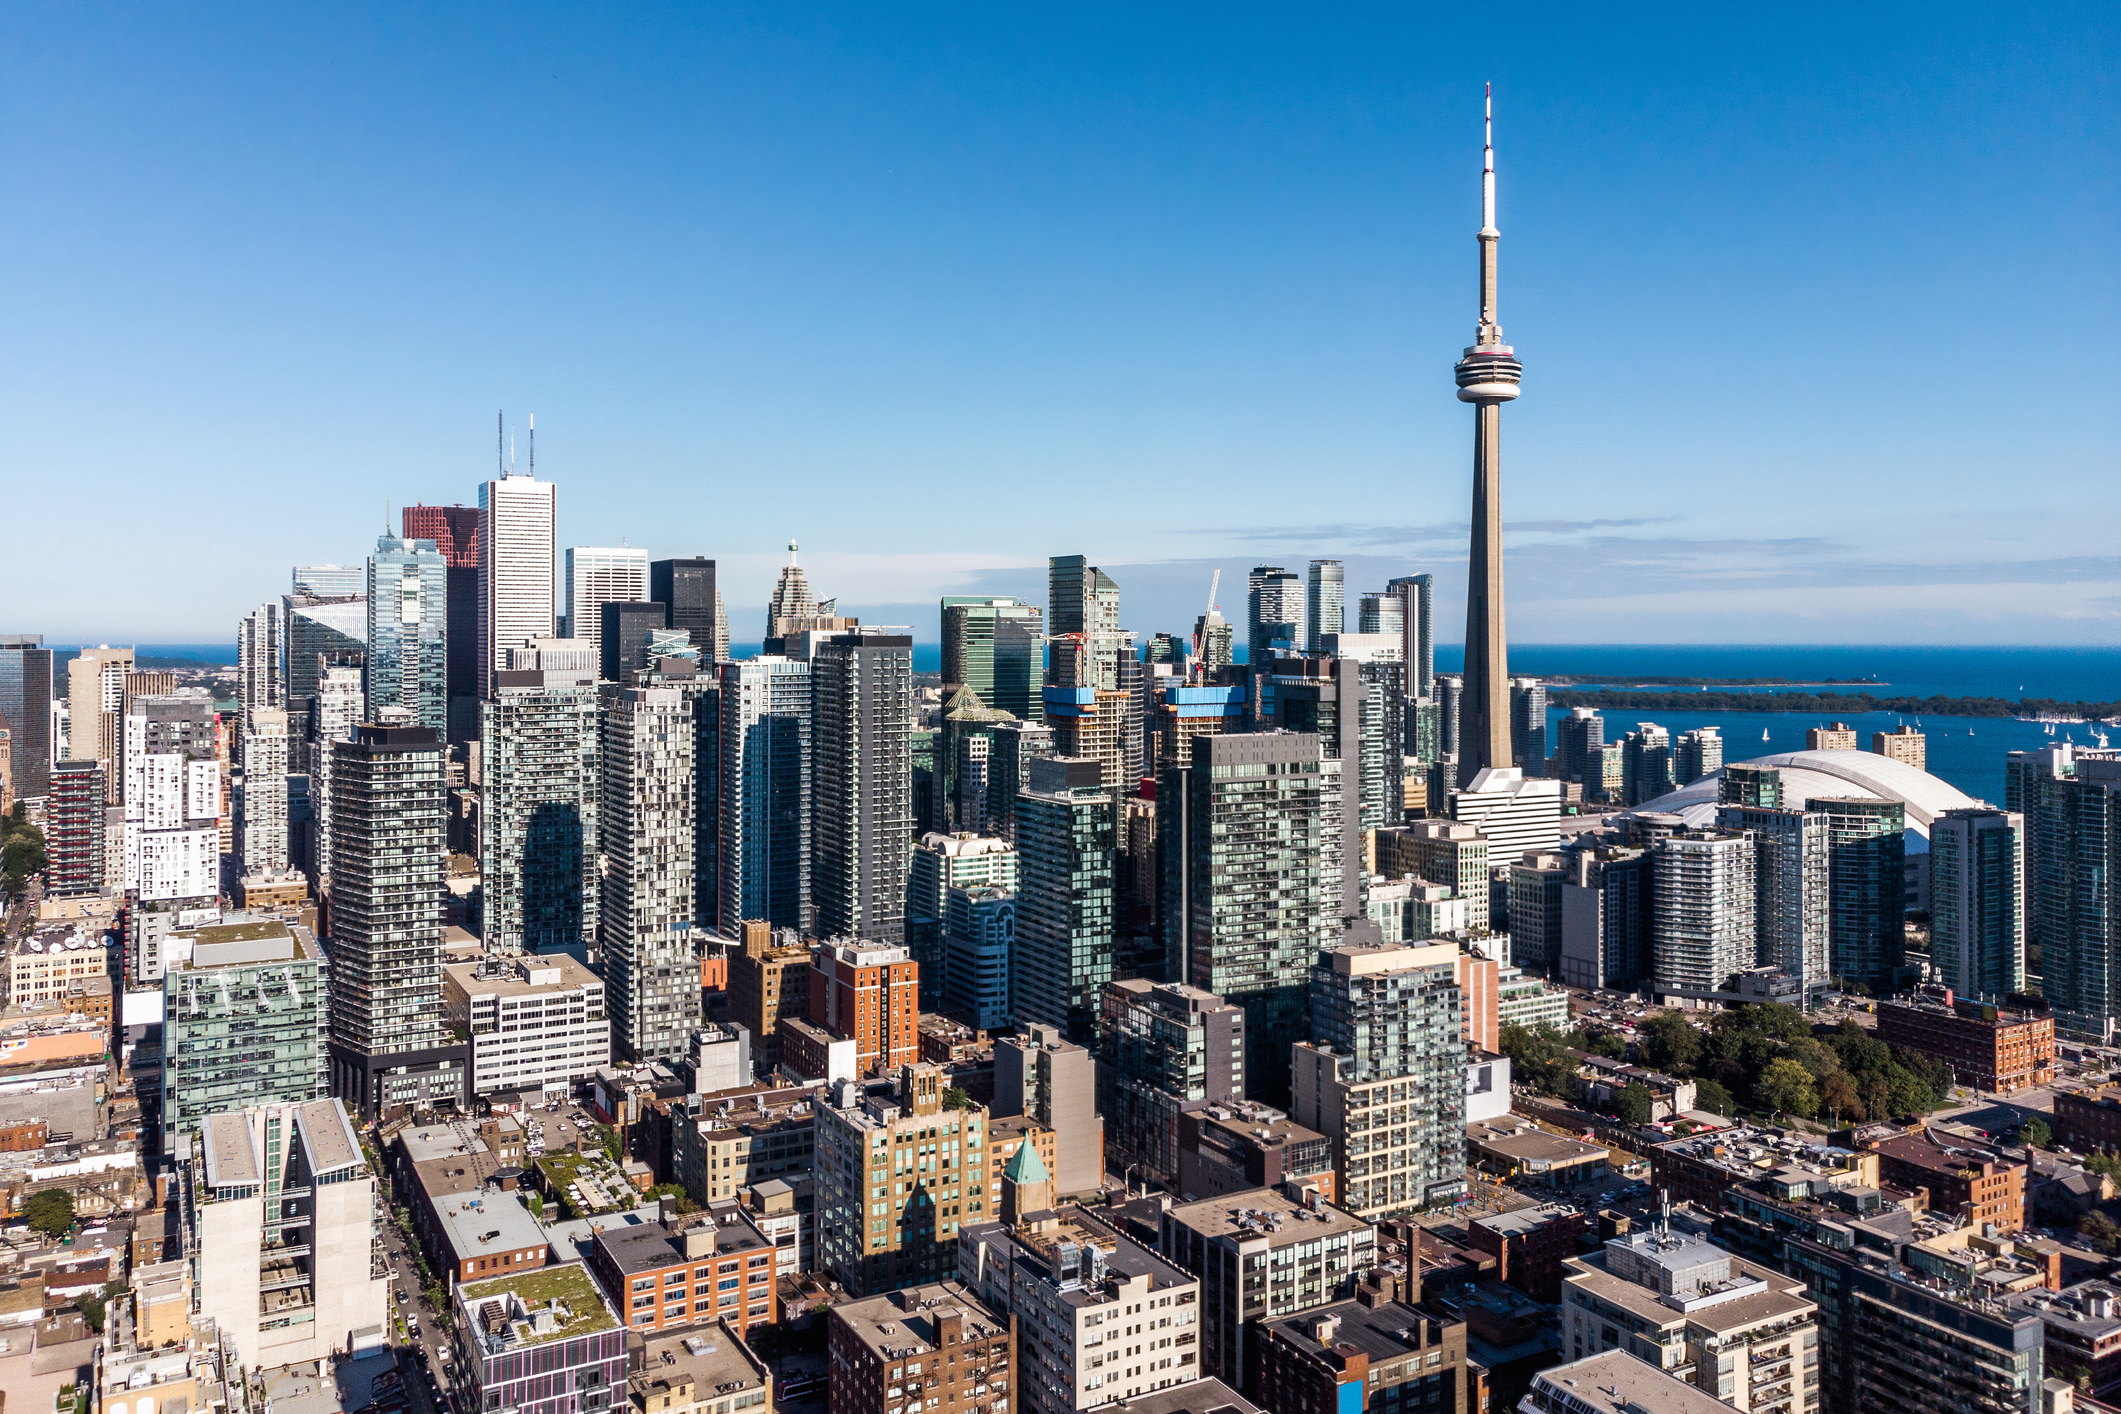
1487	378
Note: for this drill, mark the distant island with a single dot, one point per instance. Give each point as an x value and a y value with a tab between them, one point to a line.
1826	703
1637	680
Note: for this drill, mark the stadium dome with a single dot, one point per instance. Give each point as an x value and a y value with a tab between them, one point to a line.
1810	774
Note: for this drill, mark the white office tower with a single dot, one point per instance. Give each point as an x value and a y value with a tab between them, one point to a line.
258	644
1705	925
1977	901
1515	813
172	798
338	708
646	832
328	581
279	1211
599	576
536	1023
261	814
539	763
518	552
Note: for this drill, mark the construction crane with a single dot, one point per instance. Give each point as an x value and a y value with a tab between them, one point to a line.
1199	630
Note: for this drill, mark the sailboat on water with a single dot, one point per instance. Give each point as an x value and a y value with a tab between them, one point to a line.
1763	733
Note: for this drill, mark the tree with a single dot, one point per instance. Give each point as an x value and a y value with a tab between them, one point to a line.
1633	1104
1788	1087
1599	1041
1838	1096
2100	1231
1711	1096
957	1098
2036	1133
49	1211
1670	1043
21	856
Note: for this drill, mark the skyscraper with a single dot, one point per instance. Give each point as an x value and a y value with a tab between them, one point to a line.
597	576
1704	927
319	631
996	648
172	798
518	552
1083	599
1325	602
1977	901
1581	736
1791	852
1697	753
408	631
1487	378
329	581
74	827
861	834
455	532
335	713
622	638
1528	725
1866	854
261	829
1274	612
1067	836
940	863
765	792
541	765
792	600
693	600
389	1045
1417	617
95	688
26	711
2077	855
1165	1048
646	836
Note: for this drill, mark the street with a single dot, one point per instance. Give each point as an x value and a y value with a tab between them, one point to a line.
423	1355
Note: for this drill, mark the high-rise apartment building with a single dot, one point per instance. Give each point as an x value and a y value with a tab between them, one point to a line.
1215	644
1067	854
261	806
1528	725
319	633
1417	615
246	1019
541	768
1580	738
2071	802
1903	743
455	533
518	553
408	631
1866	854
764	792
1646	764
929	1162
600	575
26	711
389	1045
1385	1075
1083	599
1011	748
868	994
1325	601
861	799
1164	1049
1977	901
95	688
1442	852
334	712
1839	737
1382	611
74	821
938	864
1790	882
1535	884
1274	615
689	592
979	946
1251	882
329	580
996	647
1605	918
1045	1077
259	645
1704	926
1696	754
645	832
172	798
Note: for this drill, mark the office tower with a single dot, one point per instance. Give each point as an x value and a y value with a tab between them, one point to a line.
1133	679
318	632
693	597
455	533
1047	1078
335	711
1450	696
765	792
861	834
408	631
1866	853
1325	602
1977	901
1417	617
861	1130
330	580
1067	846
26	711
1082	599
172	798
1274	612
979	940
541	767
1164	1048
1791	851
792	600
963	749
1903	743
279	1219
1839	737
1487	378
996	647
261	828
246	1020
623	635
1696	754
1382	611
597	576
1605	918
1646	763
518	540
259	644
939	863
95	692
1535	884
1251	889
1704	926
74	822
1515	813
389	1046
1528	725
645	832
1011	748
1385	1075
535	1023
1214	646
1581	737
869	994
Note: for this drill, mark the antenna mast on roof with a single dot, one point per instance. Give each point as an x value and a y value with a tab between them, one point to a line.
533	444
500	442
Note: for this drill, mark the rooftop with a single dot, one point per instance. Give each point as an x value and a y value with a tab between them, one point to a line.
1193	1397
530	1308
711	1359
1383	1332
1268	1213
543	973
907	1322
1809	775
1680	1280
489	1221
1932	1149
651	1247
1615	1382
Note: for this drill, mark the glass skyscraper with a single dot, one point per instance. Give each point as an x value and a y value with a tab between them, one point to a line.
996	647
408	630
26	710
1067	837
540	766
861	799
765	792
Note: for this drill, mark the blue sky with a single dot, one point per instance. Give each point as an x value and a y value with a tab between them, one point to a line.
1817	305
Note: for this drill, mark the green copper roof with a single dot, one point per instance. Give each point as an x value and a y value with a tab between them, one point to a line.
1025	1166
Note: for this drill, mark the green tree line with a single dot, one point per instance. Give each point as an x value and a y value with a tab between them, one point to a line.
1843	704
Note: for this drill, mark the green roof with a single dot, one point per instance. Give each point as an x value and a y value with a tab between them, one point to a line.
568	1283
1025	1166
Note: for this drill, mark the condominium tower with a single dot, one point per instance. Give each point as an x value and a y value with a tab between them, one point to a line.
862	798
765	792
645	828
455	533
541	764
408	631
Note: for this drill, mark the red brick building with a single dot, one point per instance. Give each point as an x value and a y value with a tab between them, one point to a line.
871	994
1988	1047
1966	1179
1529	1246
2089	1121
659	1278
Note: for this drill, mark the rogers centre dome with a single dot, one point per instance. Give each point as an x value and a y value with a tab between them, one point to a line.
1810	774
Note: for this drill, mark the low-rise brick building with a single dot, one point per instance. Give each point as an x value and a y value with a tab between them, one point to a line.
936	1346
1356	1357
1965	1178
659	1277
1988	1047
2089	1121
